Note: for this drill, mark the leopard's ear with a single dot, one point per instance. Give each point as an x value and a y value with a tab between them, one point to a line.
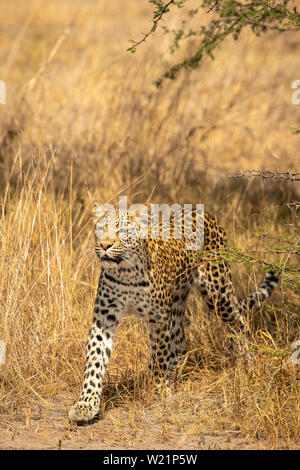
99	211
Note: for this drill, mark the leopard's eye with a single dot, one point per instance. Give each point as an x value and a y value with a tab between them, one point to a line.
99	230
122	233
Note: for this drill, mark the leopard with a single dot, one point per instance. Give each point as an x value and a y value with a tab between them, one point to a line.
151	277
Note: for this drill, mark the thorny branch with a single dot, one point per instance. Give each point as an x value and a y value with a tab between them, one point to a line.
156	20
248	257
269	173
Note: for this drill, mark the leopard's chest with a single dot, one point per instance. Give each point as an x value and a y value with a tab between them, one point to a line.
132	287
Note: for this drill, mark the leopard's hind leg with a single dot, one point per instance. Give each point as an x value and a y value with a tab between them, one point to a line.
215	285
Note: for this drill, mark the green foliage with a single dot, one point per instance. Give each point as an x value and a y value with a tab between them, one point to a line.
296	130
281	258
228	19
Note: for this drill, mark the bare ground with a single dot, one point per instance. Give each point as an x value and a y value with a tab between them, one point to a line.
47	428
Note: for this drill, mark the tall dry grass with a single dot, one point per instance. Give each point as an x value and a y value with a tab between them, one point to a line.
83	122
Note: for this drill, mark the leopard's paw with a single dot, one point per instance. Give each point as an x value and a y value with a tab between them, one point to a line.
82	412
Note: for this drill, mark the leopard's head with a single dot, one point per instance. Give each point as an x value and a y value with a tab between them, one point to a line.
118	235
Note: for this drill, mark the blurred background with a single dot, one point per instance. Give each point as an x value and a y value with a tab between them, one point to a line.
75	95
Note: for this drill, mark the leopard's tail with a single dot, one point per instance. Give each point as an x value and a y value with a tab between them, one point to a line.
264	291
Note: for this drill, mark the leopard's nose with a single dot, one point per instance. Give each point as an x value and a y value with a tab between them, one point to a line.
105	246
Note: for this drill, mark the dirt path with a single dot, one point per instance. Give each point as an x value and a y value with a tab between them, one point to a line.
120	428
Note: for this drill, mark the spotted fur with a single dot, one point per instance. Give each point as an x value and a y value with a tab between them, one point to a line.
152	278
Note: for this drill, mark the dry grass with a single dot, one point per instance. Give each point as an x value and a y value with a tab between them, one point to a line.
83	121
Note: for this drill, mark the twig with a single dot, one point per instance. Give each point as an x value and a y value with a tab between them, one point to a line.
292	204
269	173
276	252
213	6
265	263
278	239
154	26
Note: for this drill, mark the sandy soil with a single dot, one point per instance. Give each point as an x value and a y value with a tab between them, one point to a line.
47	428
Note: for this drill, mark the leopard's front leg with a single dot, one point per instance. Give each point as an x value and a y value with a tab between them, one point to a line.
107	314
